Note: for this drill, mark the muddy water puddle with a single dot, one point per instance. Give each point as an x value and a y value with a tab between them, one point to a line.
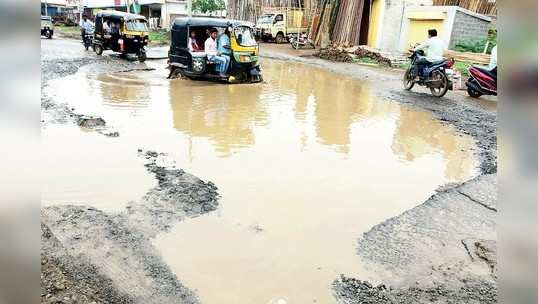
305	163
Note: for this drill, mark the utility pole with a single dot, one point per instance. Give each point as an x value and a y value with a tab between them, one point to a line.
46	8
128	6
80	9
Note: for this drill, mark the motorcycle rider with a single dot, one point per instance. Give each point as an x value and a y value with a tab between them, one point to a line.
86	26
493	61
433	47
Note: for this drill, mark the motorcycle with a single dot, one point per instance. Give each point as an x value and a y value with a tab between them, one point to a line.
436	75
482	81
301	41
88	40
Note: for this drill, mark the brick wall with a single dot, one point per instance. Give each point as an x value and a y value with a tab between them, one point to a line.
468	27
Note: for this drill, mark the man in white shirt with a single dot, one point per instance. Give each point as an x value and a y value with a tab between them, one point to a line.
433	47
493	59
85	26
210	48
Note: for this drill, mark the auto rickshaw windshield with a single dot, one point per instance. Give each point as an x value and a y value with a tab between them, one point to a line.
244	36
137	25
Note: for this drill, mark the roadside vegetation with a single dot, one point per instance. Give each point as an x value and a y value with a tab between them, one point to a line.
67	31
159	37
478	45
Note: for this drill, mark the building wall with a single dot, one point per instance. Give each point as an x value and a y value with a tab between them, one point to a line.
375	23
171	10
391	24
467	27
445	33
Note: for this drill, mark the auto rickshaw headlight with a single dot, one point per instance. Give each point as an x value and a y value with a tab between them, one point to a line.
244	58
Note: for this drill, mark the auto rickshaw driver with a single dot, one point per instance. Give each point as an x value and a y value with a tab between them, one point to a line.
224	47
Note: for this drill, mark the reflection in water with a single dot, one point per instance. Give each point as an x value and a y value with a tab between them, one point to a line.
224	114
305	162
123	89
418	135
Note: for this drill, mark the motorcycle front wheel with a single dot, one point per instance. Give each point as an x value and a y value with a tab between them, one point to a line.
442	88
408	80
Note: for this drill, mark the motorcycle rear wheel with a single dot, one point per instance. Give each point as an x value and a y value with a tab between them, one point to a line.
440	91
408	80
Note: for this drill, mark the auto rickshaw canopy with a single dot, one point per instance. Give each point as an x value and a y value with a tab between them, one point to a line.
117	15
181	25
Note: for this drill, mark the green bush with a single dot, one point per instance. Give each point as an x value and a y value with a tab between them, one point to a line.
159	37
478	45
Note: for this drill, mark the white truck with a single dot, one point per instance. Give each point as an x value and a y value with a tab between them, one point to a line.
279	25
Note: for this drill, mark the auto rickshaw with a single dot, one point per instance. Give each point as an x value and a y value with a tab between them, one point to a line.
244	64
47	28
127	34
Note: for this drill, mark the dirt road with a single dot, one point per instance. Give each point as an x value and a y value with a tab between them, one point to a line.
325	169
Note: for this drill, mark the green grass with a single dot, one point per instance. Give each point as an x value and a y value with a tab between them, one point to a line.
367	60
462	66
159	37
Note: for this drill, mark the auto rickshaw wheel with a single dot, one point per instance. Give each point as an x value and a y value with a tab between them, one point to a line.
49	35
98	49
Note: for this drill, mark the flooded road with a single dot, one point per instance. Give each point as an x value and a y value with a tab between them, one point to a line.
305	162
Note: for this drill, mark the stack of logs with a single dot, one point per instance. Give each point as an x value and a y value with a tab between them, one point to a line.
349	54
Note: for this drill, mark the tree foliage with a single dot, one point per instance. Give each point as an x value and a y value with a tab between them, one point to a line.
205	6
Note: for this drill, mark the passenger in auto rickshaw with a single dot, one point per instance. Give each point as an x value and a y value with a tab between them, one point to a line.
193	43
210	48
111	31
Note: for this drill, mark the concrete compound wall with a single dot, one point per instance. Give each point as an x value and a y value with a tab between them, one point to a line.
458	24
468	27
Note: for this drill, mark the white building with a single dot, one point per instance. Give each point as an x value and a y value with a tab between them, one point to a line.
159	12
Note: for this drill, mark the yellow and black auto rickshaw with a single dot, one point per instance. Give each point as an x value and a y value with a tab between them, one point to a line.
244	63
121	32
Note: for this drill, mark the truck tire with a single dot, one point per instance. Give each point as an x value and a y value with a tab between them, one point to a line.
279	38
